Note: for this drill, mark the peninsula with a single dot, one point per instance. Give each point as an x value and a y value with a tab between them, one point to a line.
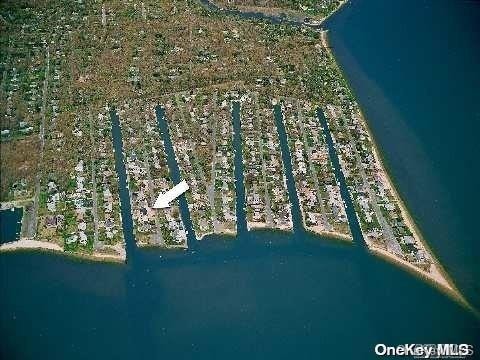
68	66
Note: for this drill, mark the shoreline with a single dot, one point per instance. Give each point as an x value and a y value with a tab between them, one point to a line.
47	247
451	290
448	290
332	235
259	225
7	205
26	245
226	233
171	248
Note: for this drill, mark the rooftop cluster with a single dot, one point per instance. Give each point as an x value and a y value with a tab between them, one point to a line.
148	176
201	129
72	194
65	64
321	204
385	223
267	203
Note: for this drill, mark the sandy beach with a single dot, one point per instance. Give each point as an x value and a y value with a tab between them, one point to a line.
434	278
252	225
226	232
317	230
28	244
437	274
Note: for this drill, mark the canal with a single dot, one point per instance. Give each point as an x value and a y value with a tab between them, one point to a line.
287	164
126	211
10	224
347	199
176	177
299	294
239	179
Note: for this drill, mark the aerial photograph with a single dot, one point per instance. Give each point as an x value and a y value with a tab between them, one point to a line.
239	179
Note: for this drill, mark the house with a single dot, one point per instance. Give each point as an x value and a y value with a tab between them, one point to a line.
51	221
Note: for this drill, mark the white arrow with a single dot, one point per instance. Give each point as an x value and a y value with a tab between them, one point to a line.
163	200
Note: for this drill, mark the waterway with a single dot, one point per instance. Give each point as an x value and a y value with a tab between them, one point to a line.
287	163
125	206
239	178
10	224
350	210
277	296
413	65
175	174
252	15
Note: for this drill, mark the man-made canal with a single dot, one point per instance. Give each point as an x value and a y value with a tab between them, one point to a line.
347	199
10	224
308	298
124	194
287	164
239	179
175	174
302	298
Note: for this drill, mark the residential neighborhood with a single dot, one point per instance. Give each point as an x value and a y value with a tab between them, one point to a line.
201	129
67	67
267	202
322	206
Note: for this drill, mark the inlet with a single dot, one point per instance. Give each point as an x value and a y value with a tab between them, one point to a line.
349	208
125	207
239	178
287	164
175	175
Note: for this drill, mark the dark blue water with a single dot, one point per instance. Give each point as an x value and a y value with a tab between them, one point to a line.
10	224
279	296
414	68
239	178
125	206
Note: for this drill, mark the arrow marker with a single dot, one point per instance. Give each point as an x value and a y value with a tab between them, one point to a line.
163	200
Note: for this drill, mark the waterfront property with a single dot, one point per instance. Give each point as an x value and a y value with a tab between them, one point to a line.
201	129
148	176
386	225
267	203
285	296
322	206
193	62
81	212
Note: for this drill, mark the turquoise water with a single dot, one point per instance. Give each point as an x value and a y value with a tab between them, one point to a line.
261	295
10	224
